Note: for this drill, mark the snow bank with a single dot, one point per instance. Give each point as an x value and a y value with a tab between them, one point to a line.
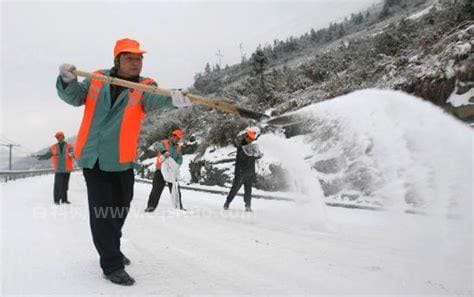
457	100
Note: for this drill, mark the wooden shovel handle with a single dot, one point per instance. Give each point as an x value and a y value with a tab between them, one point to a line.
196	99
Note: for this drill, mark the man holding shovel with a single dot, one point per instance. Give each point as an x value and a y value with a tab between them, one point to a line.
244	174
169	155
107	144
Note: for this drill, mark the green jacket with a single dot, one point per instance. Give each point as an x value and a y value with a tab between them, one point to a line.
173	150
103	139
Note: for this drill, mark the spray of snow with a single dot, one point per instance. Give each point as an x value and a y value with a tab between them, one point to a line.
401	151
418	156
290	154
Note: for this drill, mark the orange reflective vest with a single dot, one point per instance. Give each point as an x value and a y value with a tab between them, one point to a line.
68	160
166	144
129	127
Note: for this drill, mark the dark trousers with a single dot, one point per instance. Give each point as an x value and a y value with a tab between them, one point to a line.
158	186
61	185
109	195
240	180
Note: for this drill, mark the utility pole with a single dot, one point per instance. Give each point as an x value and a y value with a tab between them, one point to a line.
219	56
10	148
242	54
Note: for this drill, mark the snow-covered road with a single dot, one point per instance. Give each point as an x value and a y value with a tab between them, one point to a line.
276	250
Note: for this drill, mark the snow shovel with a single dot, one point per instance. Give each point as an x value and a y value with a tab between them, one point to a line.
196	99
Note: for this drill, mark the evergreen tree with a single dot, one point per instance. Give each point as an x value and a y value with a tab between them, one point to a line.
388	7
259	62
207	69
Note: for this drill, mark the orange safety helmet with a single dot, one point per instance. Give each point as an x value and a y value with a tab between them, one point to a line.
178	133
59	133
251	134
127	45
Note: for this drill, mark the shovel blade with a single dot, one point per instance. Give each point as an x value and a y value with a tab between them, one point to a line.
252	114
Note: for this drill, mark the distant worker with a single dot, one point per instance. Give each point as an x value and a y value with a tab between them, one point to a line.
166	148
63	163
247	153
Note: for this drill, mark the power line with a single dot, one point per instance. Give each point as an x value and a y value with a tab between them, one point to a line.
5	139
219	57
23	148
10	148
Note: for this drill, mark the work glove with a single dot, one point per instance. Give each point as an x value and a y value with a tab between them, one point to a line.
66	71
167	154
179	98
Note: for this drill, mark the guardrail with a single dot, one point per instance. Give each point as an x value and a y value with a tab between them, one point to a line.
220	191
7	175
264	196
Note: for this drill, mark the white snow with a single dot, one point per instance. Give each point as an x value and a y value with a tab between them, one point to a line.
47	249
411	148
302	178
421	13
462	48
184	169
213	153
282	248
460	100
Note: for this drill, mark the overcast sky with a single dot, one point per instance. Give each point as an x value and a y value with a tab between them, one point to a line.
180	37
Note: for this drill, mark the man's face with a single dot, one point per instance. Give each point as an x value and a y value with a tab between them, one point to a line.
60	138
130	64
174	139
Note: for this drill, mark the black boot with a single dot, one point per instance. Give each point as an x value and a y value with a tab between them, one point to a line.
126	261
248	208
226	206
149	209
120	277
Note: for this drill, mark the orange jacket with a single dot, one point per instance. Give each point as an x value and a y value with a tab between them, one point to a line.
62	160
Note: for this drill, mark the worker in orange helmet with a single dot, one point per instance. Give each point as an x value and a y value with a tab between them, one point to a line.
167	148
244	174
106	145
61	154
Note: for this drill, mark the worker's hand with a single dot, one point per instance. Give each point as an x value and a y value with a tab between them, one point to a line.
166	154
179	98
66	71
